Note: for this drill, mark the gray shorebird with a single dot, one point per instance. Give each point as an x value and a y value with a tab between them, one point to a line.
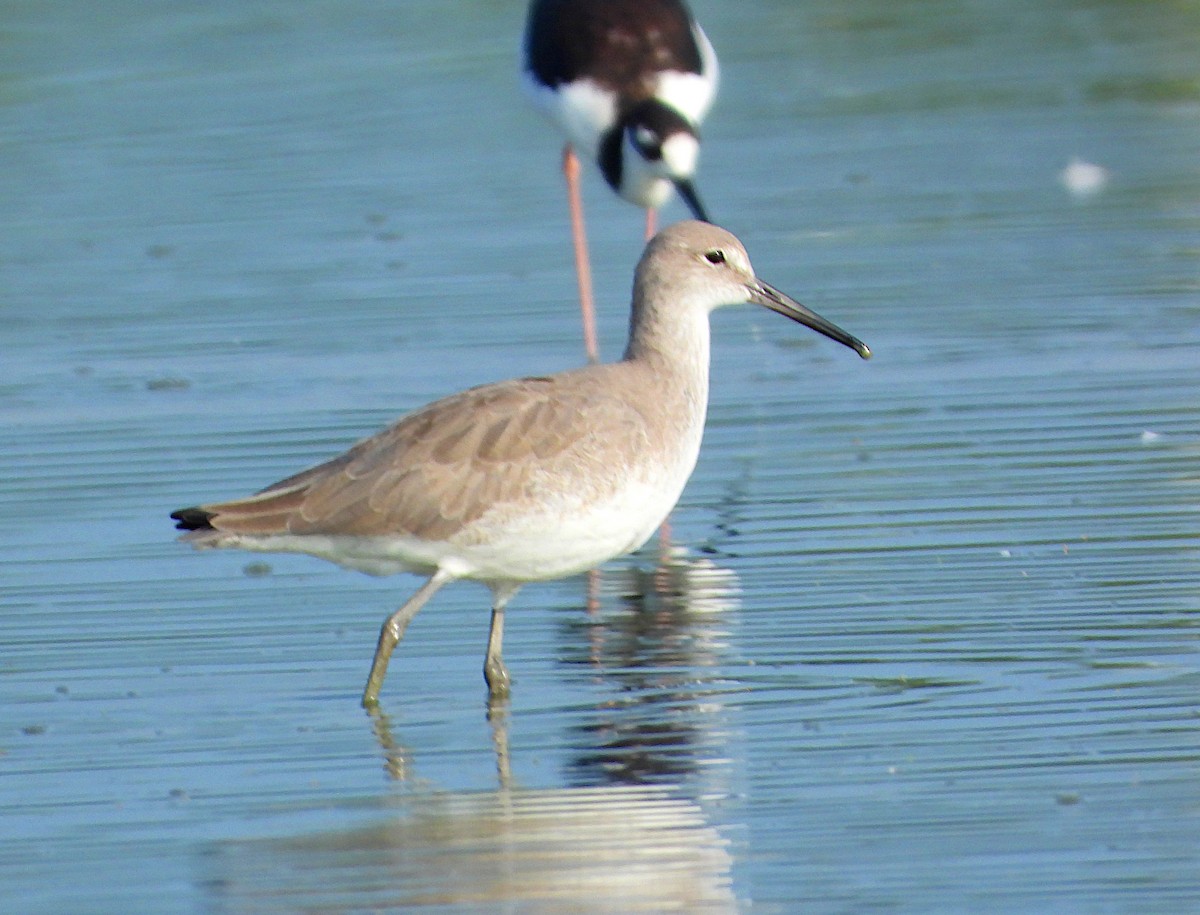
525	480
628	83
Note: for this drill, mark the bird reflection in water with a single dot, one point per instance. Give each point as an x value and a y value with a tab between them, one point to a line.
397	758
657	649
605	849
656	639
655	642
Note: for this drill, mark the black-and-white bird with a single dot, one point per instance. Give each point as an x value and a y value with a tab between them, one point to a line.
628	82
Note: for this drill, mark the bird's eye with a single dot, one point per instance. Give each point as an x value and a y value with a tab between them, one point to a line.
715	256
647	142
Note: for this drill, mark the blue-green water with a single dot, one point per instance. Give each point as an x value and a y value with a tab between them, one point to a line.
933	642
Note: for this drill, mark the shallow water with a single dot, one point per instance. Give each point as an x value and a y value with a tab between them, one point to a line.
931	642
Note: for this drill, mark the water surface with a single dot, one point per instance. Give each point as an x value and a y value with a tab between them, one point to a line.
930	639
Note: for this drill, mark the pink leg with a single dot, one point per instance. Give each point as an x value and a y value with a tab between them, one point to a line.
583	267
664	540
651	223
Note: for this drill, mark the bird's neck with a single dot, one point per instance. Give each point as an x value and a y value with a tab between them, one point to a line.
675	350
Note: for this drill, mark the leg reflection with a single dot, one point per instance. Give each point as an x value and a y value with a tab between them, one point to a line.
656	645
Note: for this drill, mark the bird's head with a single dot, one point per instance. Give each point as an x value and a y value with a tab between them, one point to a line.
652	150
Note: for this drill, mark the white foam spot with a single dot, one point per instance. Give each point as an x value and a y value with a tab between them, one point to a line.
1083	179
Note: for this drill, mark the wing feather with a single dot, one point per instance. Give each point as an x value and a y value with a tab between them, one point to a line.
434	472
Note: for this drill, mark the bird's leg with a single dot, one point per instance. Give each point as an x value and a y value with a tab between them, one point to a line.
651	222
494	671
393	632
583	266
593	591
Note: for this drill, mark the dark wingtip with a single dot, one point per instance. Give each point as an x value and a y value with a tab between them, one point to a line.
192	519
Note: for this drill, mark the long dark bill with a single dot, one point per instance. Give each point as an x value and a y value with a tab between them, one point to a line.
687	191
769	297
